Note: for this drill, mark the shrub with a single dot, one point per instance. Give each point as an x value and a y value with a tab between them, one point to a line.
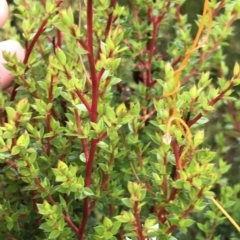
102	131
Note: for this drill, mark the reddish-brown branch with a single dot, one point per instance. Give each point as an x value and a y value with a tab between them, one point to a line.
41	51
234	18
162	212
70	223
194	120
131	48
175	148
110	18
28	52
151	51
33	42
84	101
51	200
187	212
204	56
221	95
216	11
191	74
164	183
151	45
178	13
43	2
211	103
59	38
48	117
83	44
49	197
95	85
79	92
234	114
34	194
136	18
80	132
176	61
12	164
138	222
104	185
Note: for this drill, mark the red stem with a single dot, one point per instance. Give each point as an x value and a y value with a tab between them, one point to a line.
176	61
30	48
80	132
175	148
33	42
234	114
43	2
178	12
95	84
156	22
187	212
151	51
221	95
138	222
220	6
191	74
51	200
28	52
59	38
110	18
48	117
211	103
84	101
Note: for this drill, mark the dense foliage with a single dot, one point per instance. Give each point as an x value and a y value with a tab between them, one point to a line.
102	132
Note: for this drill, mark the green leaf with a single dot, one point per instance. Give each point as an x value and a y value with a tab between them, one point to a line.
236	70
22	106
187	222
10	225
127	202
115	64
23	140
99	230
62	165
179	184
202	121
121	219
61	56
10	113
116	226
107	222
82	157
54	234
81	107
115	81
172	238
15	150
103	145
88	192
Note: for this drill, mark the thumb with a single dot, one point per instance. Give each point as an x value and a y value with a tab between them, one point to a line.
3	12
10	46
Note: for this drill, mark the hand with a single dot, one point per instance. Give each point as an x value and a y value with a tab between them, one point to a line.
10	46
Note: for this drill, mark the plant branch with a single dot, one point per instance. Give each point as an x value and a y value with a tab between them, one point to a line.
110	18
84	101
93	118
138	222
80	132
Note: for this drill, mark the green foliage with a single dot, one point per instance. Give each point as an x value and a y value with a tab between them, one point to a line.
102	133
